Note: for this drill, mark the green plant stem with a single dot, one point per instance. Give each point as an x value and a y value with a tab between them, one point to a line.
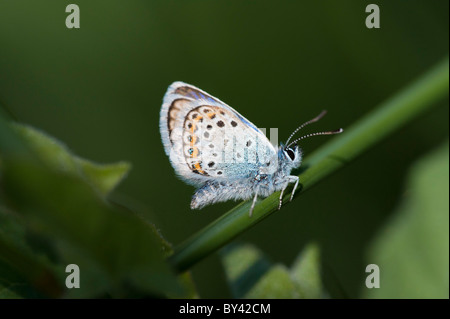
383	121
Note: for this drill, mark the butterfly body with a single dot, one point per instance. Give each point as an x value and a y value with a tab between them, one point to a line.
261	184
213	147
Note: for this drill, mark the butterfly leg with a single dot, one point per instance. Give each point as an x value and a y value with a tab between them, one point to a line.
254	202
281	198
291	180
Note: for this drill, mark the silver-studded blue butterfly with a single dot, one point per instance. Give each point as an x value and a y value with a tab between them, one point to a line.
216	149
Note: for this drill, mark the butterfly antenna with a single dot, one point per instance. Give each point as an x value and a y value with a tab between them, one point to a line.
315	134
318	117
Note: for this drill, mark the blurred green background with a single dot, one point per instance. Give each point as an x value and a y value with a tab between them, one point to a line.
99	90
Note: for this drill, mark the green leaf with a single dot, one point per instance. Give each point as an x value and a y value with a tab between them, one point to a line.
112	247
306	273
190	291
412	251
14	286
251	275
11	284
244	266
103	177
20	264
275	284
50	198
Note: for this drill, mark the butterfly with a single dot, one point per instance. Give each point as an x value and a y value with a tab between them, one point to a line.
214	148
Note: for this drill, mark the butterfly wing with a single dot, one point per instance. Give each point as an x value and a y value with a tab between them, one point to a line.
206	139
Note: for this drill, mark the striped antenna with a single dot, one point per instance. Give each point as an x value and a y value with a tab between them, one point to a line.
315	134
318	117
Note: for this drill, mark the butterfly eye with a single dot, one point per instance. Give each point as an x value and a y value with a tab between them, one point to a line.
290	153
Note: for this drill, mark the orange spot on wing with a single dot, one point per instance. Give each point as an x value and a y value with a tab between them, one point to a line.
193	140
195	152
198	167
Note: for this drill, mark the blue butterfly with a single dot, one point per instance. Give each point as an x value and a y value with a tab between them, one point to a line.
213	147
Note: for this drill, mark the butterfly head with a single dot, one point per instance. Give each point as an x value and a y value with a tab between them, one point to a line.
291	155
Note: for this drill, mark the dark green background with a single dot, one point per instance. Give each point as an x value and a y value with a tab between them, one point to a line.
279	63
